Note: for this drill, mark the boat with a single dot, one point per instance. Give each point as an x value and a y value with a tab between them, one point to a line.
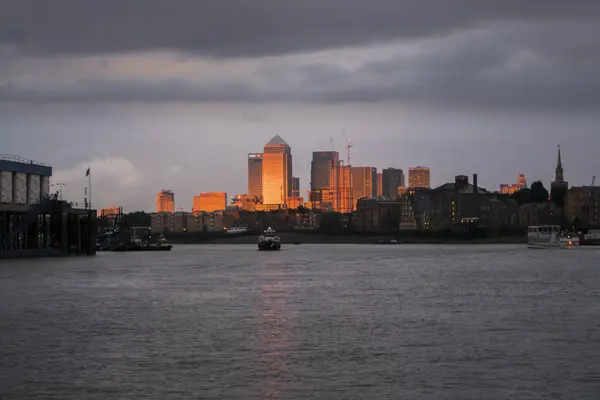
269	241
592	238
550	237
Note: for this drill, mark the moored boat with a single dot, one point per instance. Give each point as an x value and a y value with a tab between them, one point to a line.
550	237
269	241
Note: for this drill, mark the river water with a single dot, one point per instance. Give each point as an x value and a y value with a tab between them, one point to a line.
308	322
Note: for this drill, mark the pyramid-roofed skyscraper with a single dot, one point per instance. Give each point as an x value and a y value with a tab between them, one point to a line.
276	171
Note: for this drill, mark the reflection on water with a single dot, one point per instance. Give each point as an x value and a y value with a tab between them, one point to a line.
274	326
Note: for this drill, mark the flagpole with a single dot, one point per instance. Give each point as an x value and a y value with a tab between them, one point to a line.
90	186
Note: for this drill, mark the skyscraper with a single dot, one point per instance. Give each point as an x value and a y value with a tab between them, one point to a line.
340	181
392	178
165	201
295	187
419	177
255	174
276	171
379	184
322	186
364	182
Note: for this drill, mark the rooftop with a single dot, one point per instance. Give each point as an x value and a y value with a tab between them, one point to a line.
276	141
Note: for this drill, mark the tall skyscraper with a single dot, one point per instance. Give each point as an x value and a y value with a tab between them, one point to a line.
379	184
295	187
419	177
340	181
165	201
322	186
255	174
276	171
210	201
364	182
392	179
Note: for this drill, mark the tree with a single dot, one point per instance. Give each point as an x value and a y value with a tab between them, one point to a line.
522	196
331	223
137	218
538	192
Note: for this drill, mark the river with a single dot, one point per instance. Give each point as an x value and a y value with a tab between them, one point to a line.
308	322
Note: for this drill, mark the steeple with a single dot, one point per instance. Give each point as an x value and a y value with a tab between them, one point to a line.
559	169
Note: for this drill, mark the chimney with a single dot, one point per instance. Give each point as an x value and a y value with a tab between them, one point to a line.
475	188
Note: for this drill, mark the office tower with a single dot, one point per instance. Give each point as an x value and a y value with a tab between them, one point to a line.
210	201
340	180
322	187
255	174
276	172
392	179
379	183
419	177
295	187
165	201
364	182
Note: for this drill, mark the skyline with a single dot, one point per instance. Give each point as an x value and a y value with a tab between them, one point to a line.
482	87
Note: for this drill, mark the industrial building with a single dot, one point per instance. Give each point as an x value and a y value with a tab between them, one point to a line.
36	222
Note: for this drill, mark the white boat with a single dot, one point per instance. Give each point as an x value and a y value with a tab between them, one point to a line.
550	237
268	240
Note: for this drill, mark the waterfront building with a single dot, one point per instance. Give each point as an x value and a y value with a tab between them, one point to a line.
35	222
419	177
276	172
255	174
165	201
210	201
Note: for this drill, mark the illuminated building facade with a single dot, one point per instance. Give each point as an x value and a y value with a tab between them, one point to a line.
364	182
419	177
210	202
379	184
276	172
255	174
510	189
165	201
341	188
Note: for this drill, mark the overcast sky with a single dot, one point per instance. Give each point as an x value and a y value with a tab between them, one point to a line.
160	94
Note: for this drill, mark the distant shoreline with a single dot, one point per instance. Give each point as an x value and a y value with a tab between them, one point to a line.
318	238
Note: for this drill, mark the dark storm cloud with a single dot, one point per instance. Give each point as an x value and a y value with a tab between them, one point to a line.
253	27
545	65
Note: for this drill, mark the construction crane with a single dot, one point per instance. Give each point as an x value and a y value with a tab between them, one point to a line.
349	145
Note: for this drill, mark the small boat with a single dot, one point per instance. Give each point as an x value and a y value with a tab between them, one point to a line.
550	237
268	240
592	238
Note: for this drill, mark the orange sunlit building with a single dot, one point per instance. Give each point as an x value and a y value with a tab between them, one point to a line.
209	202
276	172
255	174
419	177
165	201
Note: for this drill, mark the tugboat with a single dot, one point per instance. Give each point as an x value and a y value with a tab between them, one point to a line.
268	240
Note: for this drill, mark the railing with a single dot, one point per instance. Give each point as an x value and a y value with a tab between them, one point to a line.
12	157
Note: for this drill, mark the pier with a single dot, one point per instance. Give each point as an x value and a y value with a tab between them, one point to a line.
35	222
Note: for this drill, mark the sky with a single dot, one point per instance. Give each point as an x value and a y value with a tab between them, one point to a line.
173	95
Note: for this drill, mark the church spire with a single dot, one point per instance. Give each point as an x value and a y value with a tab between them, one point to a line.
559	169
